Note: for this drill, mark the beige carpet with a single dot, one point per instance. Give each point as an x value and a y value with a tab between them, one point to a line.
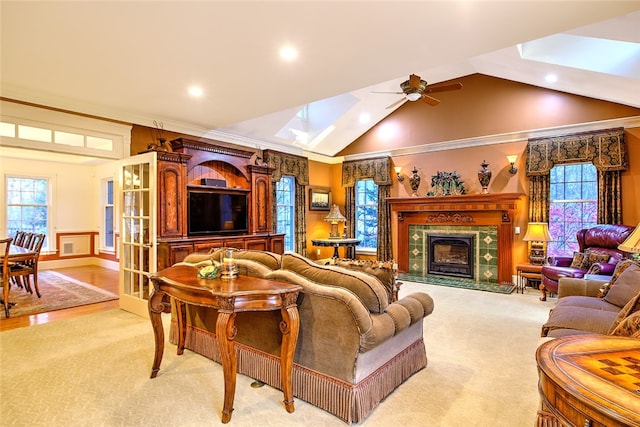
57	292
94	371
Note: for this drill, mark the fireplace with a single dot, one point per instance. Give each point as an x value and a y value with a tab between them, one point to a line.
451	255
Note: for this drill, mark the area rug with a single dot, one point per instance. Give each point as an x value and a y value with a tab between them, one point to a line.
458	283
58	292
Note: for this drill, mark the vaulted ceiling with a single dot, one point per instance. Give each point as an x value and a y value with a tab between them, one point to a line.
135	61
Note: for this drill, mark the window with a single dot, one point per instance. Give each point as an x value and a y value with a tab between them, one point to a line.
573	205
285	208
28	206
107	238
367	214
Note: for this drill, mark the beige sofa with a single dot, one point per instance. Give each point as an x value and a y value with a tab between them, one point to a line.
355	344
598	307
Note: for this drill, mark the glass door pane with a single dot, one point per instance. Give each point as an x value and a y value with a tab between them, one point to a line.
138	233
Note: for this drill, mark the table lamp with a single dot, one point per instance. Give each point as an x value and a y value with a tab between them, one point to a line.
538	234
334	217
632	243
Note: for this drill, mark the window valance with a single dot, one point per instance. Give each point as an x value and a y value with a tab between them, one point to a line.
287	164
606	149
378	169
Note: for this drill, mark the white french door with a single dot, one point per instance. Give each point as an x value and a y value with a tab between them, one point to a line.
138	251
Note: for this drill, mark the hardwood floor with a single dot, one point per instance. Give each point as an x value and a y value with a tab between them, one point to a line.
97	276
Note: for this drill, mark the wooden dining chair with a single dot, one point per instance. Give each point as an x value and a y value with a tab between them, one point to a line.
18	239
21	272
4	251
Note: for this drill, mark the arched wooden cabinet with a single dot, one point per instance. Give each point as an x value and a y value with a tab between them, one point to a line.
202	165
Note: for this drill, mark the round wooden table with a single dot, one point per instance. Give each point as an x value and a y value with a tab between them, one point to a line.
589	380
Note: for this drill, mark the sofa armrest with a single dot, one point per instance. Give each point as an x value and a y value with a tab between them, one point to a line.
568	286
560	261
602	268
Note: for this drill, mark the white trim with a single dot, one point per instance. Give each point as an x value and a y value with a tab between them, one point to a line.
629	122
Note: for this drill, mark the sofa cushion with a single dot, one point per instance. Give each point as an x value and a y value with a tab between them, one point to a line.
383	270
586	302
581	319
366	287
625	287
631	307
269	259
556	273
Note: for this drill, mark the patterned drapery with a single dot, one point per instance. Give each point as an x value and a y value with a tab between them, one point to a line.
297	167
287	164
610	197
606	149
378	169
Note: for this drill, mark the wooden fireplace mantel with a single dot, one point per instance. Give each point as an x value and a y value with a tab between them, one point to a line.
497	209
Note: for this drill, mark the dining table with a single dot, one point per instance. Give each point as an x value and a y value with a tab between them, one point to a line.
16	254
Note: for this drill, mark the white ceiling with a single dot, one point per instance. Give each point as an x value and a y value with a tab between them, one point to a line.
133	61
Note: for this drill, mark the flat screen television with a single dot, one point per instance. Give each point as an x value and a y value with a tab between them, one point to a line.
214	212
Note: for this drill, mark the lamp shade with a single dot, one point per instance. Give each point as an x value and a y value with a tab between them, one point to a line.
334	216
632	243
537	232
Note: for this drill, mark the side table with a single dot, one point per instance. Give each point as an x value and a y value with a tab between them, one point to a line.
336	243
229	297
526	273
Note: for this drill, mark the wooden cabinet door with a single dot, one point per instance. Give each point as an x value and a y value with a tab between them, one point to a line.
277	244
172	208
260	199
206	247
257	244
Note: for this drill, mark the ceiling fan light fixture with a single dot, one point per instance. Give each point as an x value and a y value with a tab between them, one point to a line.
414	96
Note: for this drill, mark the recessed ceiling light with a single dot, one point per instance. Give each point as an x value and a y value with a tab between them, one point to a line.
195	91
551	78
288	53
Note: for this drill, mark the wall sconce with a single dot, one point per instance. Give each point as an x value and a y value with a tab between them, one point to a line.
398	169
334	218
538	234
512	159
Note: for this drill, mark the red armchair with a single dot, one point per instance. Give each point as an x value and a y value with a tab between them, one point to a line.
600	240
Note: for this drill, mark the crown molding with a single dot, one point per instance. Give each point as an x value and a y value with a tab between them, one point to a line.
628	122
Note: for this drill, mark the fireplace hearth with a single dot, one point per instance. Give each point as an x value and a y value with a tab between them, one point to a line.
451	255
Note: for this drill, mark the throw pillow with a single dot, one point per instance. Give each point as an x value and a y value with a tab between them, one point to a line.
591	258
578	259
625	287
629	327
630	308
621	266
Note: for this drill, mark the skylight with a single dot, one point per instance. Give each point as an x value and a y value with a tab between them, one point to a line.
587	53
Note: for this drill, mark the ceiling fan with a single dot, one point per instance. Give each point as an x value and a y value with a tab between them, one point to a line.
415	88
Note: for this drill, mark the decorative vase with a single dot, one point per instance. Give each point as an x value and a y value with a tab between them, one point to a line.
414	181
484	176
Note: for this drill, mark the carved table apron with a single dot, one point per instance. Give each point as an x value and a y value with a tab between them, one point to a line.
228	297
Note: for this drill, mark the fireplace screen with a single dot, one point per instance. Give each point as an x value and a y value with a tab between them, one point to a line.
451	255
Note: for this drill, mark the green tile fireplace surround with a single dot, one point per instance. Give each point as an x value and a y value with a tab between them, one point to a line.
485	254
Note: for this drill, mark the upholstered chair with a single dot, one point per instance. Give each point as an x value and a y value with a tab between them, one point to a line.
598	254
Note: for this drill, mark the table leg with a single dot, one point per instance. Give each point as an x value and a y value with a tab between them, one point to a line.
225	335
181	316
289	327
156	307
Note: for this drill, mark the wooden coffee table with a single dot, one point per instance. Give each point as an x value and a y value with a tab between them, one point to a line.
590	380
229	297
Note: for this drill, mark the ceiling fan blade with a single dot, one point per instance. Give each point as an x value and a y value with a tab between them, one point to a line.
399	101
443	88
394	93
414	81
430	100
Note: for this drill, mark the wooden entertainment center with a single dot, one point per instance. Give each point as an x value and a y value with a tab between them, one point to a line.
231	170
